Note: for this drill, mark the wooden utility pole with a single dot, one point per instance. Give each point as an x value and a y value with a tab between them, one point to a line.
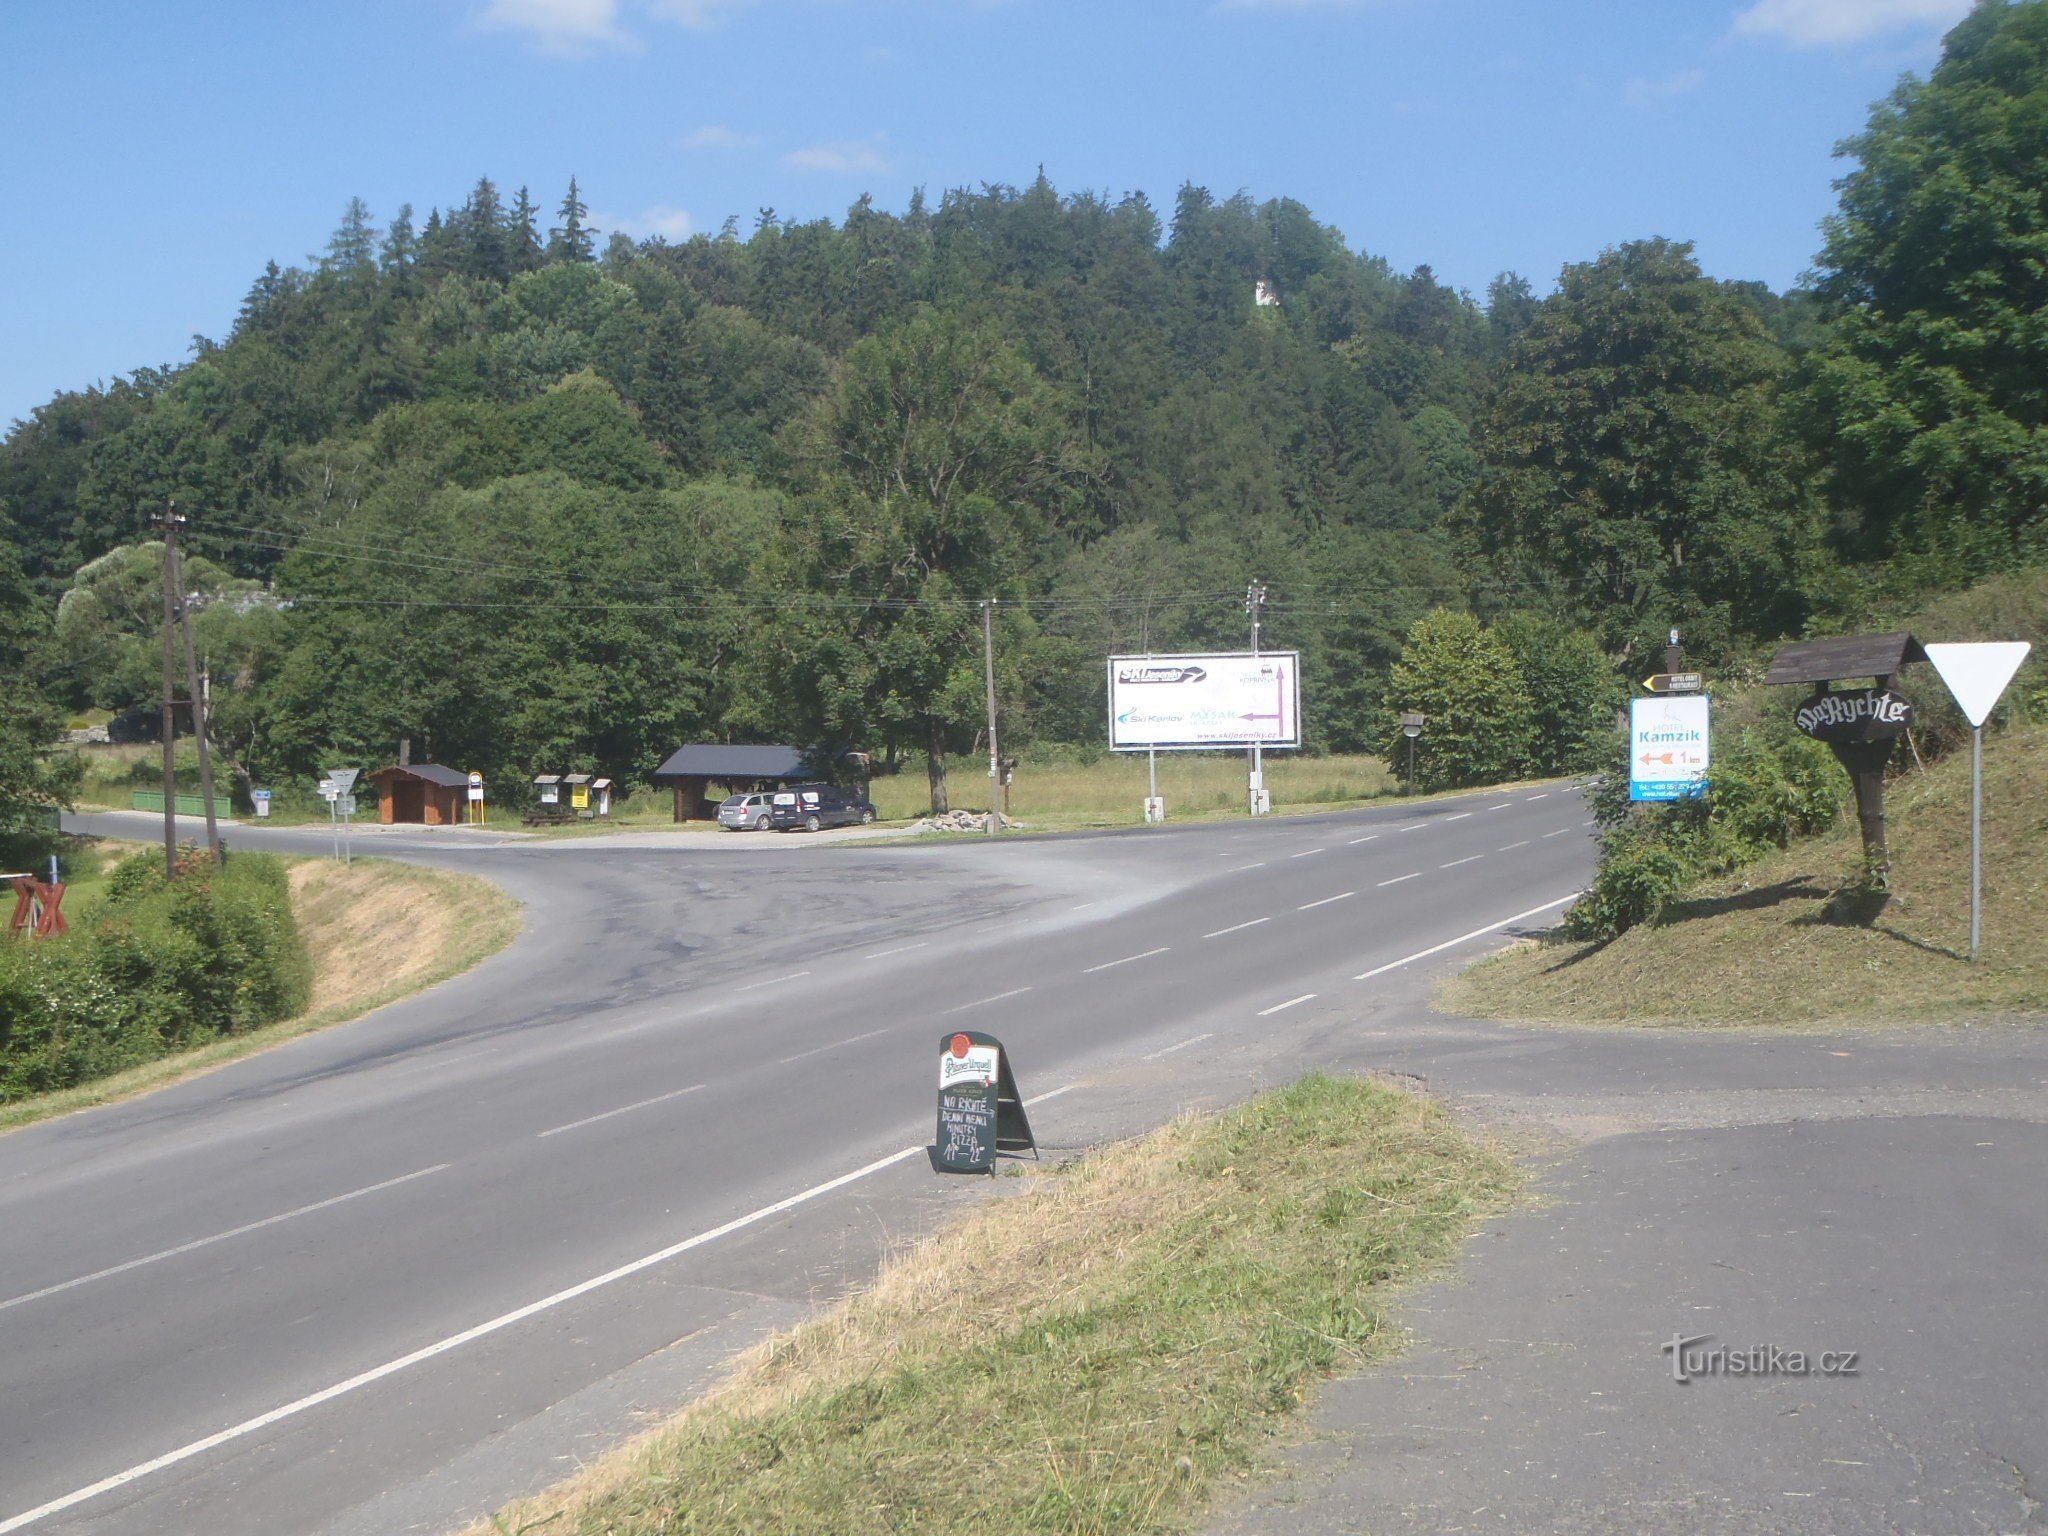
168	521
988	667
199	705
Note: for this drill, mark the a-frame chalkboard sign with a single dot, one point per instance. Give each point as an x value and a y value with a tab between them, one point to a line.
981	1113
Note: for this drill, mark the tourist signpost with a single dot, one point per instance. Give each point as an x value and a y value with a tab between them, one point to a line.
1669	747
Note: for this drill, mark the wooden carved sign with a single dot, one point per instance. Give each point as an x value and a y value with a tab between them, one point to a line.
1866	714
980	1111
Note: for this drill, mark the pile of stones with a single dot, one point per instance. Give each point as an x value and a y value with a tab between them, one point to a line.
962	821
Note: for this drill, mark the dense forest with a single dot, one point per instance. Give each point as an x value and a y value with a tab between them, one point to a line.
539	497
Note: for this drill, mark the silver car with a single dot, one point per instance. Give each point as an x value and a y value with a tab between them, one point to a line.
744	813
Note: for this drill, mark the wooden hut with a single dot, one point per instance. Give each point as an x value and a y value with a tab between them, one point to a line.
694	769
420	794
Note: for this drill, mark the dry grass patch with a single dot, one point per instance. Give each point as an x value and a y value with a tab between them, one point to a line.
375	932
1098	1353
1773	946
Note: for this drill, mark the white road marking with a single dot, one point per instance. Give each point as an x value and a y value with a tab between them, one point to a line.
1366	839
1127	959
1424	954
1560	832
1306	852
820	1050
623	1109
1456	862
1243	867
1399	878
771	981
982	1002
1325	901
899	950
1413	826
1511	847
1235	927
219	1237
1502	806
1169	1050
504	1320
1544	796
1084	906
1585	823
1459	817
1052	1093
1263	1012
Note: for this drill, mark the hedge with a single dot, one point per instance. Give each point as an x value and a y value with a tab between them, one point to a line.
159	967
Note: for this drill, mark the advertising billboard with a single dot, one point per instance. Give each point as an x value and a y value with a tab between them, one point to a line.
1667	747
1182	703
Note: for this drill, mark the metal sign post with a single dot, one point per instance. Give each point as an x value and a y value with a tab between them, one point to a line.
1976	675
1411	727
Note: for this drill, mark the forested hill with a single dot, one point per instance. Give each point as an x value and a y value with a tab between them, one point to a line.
536	497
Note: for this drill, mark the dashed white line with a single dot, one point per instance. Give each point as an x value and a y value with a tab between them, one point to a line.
1169	1050
623	1109
504	1320
1050	1093
219	1237
1366	839
1340	896
1456	862
1424	954
771	981
1084	906
983	1002
1306	852
1560	832
1127	959
1585	823
1502	806
1511	847
1459	817
898	950
1544	796
819	1050
1235	927
1243	867
1413	826
1399	878
1263	1012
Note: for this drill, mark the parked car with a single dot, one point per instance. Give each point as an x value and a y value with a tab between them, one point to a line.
742	813
811	806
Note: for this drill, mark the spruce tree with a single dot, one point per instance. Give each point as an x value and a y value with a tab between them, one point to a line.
524	232
569	240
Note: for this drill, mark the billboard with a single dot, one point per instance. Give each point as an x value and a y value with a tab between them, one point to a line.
1181	703
1667	747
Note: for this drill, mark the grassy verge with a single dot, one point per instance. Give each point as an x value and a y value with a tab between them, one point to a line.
376	932
1773	945
1100	1353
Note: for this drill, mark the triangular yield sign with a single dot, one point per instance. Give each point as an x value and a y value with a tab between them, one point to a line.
1977	672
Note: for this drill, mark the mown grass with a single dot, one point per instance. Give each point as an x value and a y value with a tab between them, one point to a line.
1100	1353
375	932
1775	945
1063	795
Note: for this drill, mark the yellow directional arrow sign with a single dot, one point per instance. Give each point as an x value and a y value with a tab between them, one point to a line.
1674	682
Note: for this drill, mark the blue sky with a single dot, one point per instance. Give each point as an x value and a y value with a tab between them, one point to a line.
159	154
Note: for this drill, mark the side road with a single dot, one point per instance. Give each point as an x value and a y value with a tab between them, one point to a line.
1876	1193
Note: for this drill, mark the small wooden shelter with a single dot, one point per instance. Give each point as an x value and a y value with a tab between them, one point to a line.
694	769
420	794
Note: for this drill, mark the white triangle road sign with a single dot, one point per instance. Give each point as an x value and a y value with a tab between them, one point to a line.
1977	672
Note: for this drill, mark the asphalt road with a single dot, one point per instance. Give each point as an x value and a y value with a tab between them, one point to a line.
388	1275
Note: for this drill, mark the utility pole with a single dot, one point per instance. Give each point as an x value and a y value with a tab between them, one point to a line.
199	702
988	668
168	521
1254	602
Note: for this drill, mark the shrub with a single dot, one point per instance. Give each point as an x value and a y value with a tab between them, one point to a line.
162	967
1466	681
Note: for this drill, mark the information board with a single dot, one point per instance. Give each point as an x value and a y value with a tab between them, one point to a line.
1217	699
1669	742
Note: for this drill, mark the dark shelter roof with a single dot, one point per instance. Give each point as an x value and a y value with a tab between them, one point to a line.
716	761
433	773
1824	661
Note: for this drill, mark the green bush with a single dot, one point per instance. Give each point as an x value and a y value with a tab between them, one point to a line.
163	966
1768	786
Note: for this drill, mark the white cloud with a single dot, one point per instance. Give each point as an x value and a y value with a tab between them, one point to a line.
840	157
673	224
559	26
1642	92
1841	23
696	13
715	136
